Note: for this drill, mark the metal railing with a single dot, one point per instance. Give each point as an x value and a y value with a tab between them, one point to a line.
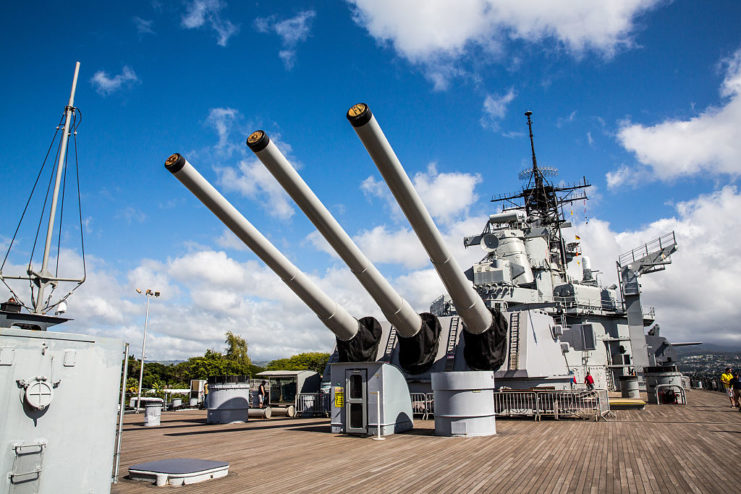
314	404
516	403
423	404
657	244
570	304
558	404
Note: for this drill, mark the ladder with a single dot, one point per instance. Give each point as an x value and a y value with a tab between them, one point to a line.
452	340
514	341
389	345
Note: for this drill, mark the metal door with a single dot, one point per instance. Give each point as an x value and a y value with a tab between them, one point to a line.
356	401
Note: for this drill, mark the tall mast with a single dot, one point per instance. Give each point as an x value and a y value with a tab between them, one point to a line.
43	278
536	172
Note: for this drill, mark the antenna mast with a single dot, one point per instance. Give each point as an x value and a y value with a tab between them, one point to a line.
45	278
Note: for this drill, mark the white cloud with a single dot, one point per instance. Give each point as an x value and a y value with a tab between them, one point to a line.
398	246
105	84
143	26
445	195
566	120
249	177
708	144
695	297
253	180
436	32
228	240
495	109
202	12
222	120
317	240
131	214
291	31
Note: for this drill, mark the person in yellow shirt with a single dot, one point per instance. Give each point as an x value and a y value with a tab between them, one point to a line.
725	378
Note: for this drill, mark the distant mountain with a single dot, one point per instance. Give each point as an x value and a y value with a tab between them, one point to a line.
164	362
707	348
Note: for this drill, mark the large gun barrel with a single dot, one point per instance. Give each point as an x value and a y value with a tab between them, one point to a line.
476	317
398	312
336	318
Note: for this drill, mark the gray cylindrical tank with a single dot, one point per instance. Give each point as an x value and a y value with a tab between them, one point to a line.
629	387
228	400
260	413
152	413
512	248
661	375
464	403
476	317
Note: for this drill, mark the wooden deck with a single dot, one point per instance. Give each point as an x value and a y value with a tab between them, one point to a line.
659	449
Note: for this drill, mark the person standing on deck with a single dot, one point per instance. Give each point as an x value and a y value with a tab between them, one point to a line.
589	381
725	378
261	394
736	389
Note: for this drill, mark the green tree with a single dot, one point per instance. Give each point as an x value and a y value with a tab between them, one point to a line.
234	362
314	361
236	349
132	385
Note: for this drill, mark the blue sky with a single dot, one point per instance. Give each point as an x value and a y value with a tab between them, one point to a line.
643	97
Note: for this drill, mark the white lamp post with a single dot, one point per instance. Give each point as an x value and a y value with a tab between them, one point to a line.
147	293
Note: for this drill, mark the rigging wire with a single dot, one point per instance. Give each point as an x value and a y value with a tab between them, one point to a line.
74	125
79	207
25	209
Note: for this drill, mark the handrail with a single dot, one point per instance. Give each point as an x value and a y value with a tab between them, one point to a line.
557	403
657	244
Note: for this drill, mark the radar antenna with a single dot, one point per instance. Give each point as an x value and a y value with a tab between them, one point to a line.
541	200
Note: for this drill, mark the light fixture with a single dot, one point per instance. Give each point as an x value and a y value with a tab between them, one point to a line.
147	293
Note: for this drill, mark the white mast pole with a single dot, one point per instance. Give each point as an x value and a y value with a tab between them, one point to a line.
44	274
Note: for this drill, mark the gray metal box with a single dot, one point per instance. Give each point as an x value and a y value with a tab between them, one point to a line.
59	403
362	391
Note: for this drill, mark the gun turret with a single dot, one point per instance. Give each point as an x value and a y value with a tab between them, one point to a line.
484	349
418	335
356	340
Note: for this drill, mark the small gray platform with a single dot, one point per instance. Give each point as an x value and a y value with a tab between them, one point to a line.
178	471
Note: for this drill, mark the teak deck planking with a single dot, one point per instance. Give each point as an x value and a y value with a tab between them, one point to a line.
660	449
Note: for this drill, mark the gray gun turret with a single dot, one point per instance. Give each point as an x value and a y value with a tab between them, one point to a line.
418	334
356	340
485	329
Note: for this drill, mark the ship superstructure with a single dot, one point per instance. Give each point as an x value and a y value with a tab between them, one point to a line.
528	268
